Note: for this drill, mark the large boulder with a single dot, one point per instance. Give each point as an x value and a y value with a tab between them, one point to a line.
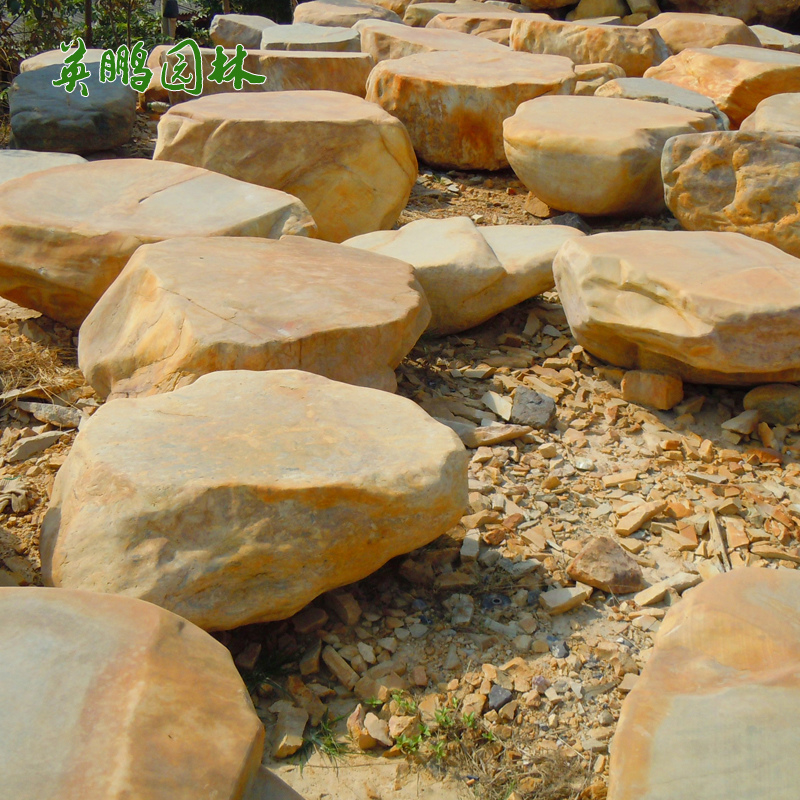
50	58
304	36
714	712
244	496
596	155
735	77
477	21
742	181
774	39
709	307
149	706
186	307
46	117
66	233
652	90
388	40
418	15
680	31
633	49
777	114
341	13
16	163
348	160
454	107
293	70
229	30
469	274
768	12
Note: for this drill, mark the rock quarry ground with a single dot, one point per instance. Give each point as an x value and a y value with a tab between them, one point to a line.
485	694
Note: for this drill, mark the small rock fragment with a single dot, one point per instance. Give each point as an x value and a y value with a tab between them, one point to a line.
557	601
652	389
602	563
532	408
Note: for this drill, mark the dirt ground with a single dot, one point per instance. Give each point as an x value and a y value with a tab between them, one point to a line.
499	699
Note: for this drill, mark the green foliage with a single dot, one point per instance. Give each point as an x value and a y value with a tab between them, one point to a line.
322	739
404	703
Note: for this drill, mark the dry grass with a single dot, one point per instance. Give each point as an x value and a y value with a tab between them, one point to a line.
27	366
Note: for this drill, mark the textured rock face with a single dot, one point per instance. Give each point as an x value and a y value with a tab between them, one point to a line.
654	91
469	274
349	161
295	70
479	21
775	39
602	563
184	500
341	13
454	107
592	76
633	49
244	29
714	712
186	307
16	163
736	78
708	307
66	233
595	155
777	114
680	31
303	36
388	40
768	12
46	117
149	706
741	181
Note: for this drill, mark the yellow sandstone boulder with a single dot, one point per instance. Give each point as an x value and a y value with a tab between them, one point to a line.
714	712
350	162
244	496
183	308
680	31
149	706
633	49
708	307
735	77
66	233
596	155
454	107
747	182
777	114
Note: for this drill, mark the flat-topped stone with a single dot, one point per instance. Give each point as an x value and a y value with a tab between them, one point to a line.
292	70
592	76
742	181
348	160
633	49
714	711
681	30
50	119
16	163
66	233
341	13
388	40
469	274
652	90
596	155
244	496
149	706
735	77
766	12
709	307
229	30
186	307
56	57
418	15
777	114
773	39
454	107
304	36
478	21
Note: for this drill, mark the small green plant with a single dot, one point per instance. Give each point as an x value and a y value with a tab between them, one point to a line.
322	739
408	744
445	715
405	704
373	702
439	748
488	736
470	720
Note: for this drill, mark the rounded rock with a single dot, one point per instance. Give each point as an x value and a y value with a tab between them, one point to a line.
350	162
